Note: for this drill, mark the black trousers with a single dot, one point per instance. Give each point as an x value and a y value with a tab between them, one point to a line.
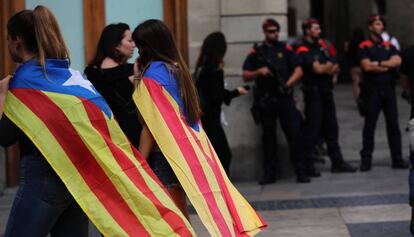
290	121
376	100
214	130
321	123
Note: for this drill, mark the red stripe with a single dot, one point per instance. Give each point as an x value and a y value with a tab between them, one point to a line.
366	43
227	192
80	156
302	49
174	124
223	187
99	122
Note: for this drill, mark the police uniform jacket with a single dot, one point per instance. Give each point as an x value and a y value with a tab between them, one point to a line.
281	56
309	53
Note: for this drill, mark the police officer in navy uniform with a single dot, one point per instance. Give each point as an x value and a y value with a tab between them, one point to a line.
320	68
379	62
274	68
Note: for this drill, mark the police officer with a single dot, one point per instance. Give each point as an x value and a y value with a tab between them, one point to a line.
320	68
274	68
379	61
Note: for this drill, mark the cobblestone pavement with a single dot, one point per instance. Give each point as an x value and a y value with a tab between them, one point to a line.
343	205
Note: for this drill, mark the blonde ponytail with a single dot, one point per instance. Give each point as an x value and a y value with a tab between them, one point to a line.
50	42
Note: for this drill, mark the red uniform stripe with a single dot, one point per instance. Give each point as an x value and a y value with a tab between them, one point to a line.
99	122
174	124
82	159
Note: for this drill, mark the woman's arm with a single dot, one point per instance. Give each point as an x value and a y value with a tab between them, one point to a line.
146	142
296	76
4	86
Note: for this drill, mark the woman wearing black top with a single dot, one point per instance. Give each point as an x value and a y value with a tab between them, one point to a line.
210	85
112	76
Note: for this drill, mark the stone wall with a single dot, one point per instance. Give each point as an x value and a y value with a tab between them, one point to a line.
240	21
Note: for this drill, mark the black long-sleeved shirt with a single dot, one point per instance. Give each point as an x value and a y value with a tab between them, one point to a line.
211	88
10	134
115	87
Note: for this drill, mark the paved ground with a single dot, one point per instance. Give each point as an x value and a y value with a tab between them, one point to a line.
370	204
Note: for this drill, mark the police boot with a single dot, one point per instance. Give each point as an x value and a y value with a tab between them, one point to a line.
365	164
343	167
267	180
399	164
303	178
313	172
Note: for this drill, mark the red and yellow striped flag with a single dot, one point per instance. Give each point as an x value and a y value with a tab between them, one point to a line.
73	127
220	206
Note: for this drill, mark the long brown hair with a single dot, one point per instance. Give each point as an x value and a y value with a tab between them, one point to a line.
155	43
212	51
40	33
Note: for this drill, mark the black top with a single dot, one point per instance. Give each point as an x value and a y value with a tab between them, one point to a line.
311	52
282	58
210	86
10	134
115	87
407	68
378	51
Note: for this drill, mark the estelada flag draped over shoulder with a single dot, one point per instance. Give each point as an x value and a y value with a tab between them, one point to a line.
73	127
220	206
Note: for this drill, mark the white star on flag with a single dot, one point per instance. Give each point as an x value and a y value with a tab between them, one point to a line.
77	80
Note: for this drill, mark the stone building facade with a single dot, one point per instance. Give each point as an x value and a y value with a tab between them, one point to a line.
240	21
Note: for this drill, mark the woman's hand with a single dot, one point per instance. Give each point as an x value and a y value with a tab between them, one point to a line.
242	90
4	87
4	84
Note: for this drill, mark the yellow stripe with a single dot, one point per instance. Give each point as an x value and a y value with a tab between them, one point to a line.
162	195
142	207
248	216
60	162
164	138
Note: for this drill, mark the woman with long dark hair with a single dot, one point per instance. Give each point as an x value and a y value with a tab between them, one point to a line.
42	204
112	76
210	84
174	142
157	50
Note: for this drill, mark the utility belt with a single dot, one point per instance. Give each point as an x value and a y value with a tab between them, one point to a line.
260	93
267	103
313	89
367	87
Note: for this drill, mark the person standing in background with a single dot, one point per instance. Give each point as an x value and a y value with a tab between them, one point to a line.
113	77
407	83
379	62
320	68
210	86
275	68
